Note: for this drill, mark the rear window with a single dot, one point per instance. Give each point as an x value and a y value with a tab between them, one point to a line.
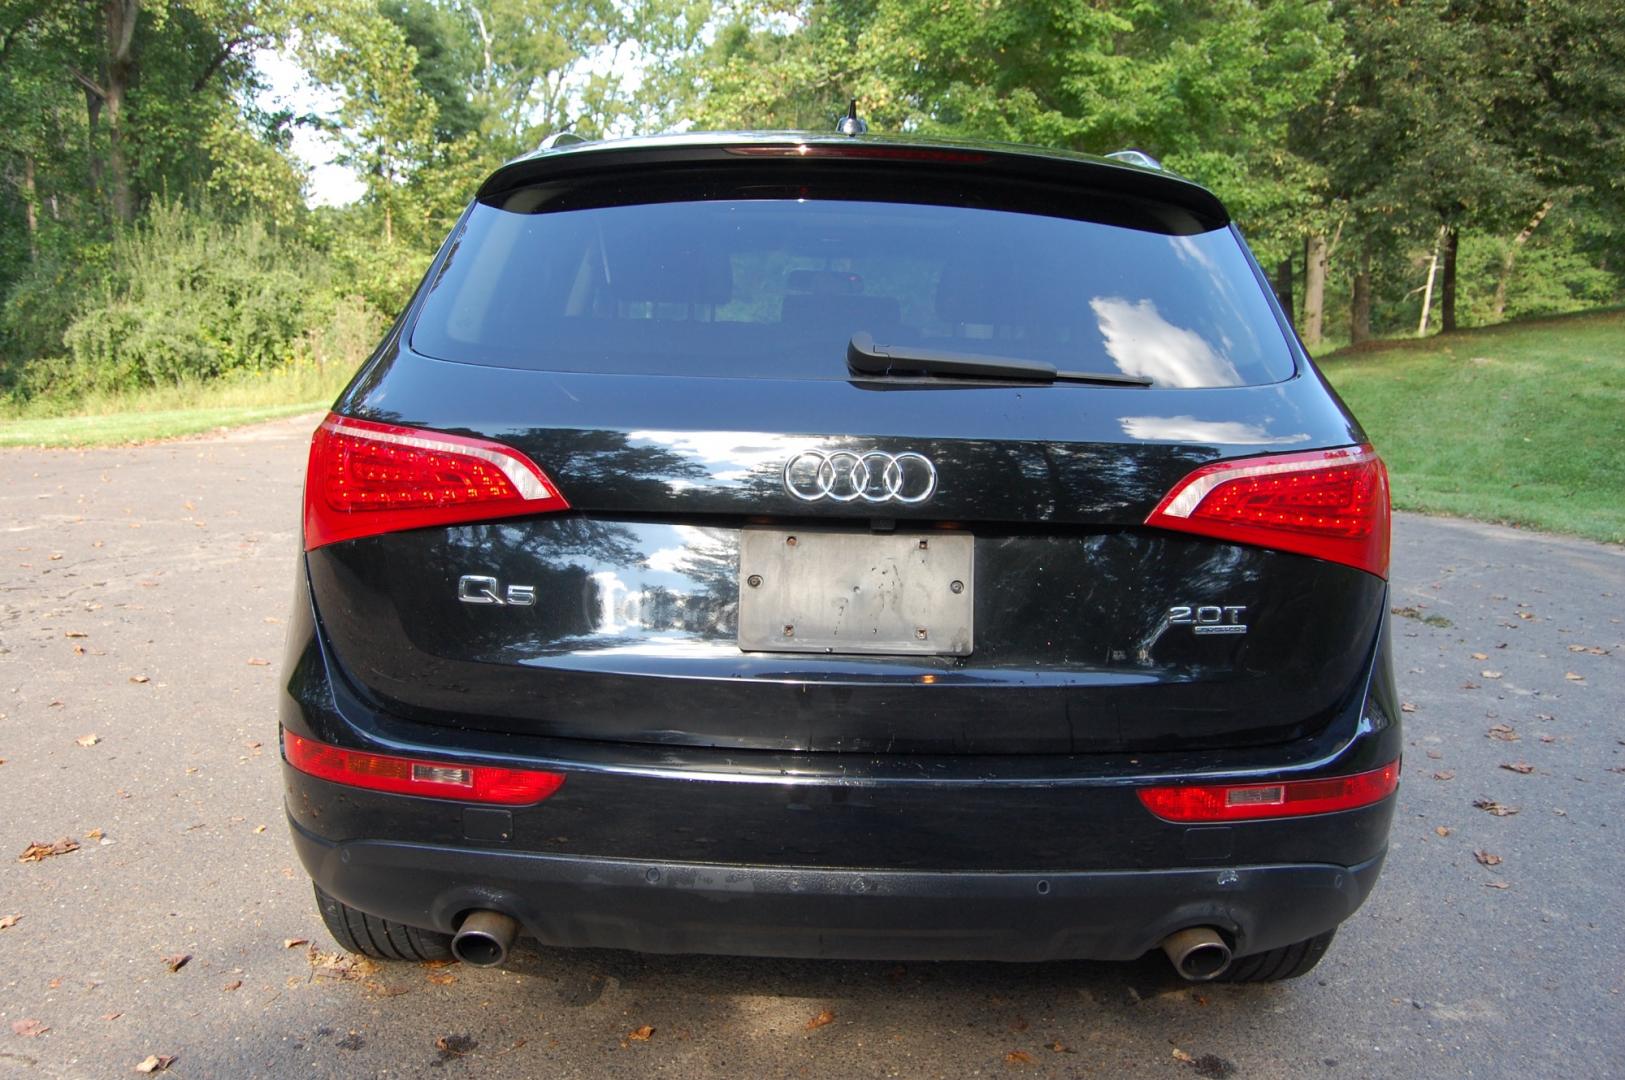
776	287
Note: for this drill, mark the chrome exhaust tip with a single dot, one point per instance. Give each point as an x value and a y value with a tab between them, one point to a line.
484	938
1197	953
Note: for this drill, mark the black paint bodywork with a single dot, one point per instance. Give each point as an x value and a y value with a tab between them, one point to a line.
938	806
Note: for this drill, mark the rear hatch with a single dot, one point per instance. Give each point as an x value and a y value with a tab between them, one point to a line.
783	511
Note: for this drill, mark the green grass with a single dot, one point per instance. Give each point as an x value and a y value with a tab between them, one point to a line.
1522	423
166	412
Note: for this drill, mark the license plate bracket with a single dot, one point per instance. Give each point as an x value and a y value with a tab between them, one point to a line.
829	591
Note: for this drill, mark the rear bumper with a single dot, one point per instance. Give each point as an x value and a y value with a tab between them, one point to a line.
682	849
853	914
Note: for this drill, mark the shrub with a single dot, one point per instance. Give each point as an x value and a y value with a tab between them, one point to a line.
185	297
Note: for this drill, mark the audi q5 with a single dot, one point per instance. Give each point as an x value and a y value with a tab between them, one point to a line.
842	546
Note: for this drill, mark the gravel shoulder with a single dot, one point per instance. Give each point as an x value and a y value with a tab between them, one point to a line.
143	596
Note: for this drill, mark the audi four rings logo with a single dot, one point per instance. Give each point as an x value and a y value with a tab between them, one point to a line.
847	476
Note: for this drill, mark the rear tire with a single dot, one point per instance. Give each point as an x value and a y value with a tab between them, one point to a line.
1287	962
379	939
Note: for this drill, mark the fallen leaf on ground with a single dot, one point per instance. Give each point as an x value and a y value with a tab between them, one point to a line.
1469	685
1444	774
825	1017
178	961
1061	1048
94	834
1406	706
139	678
1573	677
1486	859
29	1028
1504	732
1521	767
1180	1055
235	984
1526	615
454	1045
1490	674
8	921
1018	1057
111	1016
339	965
81	633
88	740
642	1034
259	828
255	661
36	851
294	942
1497	884
1481	656
1594	650
1493	807
442	978
1441	830
155	1063
1545	717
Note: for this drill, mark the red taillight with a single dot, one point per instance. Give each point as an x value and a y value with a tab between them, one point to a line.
1332	504
366	478
412	776
1289	798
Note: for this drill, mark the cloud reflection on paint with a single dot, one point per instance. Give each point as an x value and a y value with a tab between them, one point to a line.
1190	429
1141	342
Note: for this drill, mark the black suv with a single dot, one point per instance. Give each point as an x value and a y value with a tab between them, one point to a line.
846	547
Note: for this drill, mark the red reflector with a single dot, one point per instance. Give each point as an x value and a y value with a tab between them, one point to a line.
1331	504
409	776
859	150
1249	802
366	478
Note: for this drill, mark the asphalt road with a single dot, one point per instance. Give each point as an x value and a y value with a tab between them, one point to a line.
145	589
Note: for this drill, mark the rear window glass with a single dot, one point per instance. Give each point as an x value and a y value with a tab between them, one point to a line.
775	288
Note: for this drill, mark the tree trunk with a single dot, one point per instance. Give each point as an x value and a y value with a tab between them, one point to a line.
1360	302
1447	281
31	207
1427	291
93	119
1314	289
121	17
1283	288
1498	306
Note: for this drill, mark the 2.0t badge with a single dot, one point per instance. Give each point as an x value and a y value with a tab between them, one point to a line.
1209	618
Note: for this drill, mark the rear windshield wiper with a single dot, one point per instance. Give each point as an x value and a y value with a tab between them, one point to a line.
864	357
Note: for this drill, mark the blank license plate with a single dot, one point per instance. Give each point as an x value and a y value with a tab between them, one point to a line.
847	592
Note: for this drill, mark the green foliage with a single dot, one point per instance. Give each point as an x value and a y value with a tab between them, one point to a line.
188	296
1366	125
